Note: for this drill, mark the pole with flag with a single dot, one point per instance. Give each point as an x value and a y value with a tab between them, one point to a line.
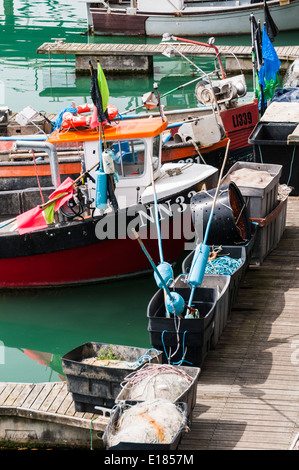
268	74
99	92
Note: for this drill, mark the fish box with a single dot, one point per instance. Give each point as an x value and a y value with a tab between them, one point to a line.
188	396
259	200
98	385
113	425
271	146
221	283
234	252
269	232
183	341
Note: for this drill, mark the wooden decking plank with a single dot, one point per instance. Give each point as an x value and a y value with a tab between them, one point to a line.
37	396
14	395
7	390
47	402
59	398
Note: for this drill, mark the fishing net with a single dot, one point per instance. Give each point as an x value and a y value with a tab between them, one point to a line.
156	381
154	421
249	177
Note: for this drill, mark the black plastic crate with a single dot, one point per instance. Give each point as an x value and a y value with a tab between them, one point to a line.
187	341
221	283
270	145
93	385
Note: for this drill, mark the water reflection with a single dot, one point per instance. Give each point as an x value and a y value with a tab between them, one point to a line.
37	327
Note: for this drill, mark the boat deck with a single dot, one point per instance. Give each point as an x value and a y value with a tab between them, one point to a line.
248	390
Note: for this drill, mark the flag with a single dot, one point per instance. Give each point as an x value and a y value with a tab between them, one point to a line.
256	41
39	217
268	74
31	220
96	97
103	86
271	27
65	190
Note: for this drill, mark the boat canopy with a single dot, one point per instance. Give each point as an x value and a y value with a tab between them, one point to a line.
135	129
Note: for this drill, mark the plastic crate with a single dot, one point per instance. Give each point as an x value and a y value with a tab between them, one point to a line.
113	423
93	385
270	145
183	341
269	233
221	283
188	396
259	201
235	252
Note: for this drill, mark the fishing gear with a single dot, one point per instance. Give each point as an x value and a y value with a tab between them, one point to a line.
202	251
174	302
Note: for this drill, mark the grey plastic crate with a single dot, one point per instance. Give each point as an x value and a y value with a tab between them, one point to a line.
259	201
188	396
138	446
269	233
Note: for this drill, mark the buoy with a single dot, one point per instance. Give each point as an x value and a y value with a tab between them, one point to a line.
198	266
101	189
166	272
108	163
175	304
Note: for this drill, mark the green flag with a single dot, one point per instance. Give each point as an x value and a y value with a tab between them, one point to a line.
103	86
49	213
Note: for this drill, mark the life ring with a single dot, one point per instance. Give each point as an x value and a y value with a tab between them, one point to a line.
73	120
70	120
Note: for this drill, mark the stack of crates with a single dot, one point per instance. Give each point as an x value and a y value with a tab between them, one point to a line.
264	209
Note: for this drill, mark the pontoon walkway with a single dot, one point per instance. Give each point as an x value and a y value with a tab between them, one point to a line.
248	390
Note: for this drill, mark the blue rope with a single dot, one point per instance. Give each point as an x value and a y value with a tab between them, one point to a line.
182	360
223	265
145	357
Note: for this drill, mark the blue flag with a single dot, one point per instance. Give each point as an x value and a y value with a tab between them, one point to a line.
268	74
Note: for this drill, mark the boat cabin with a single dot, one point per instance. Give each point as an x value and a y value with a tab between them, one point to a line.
133	145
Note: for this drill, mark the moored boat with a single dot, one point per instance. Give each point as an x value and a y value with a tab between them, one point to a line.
92	241
188	18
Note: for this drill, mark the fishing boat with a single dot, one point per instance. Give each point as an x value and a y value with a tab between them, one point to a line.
183	17
90	238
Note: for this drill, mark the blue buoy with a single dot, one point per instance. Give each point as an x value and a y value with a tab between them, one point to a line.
101	189
166	272
175	304
198	265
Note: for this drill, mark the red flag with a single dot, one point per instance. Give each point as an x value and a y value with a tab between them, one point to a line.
65	187
94	119
31	220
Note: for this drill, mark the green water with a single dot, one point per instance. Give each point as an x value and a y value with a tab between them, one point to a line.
38	327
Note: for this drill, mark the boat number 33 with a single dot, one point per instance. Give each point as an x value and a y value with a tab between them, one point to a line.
242	119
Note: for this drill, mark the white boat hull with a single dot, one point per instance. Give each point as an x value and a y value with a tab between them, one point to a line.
215	19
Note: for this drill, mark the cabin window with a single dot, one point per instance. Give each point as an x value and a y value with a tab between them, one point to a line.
129	157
